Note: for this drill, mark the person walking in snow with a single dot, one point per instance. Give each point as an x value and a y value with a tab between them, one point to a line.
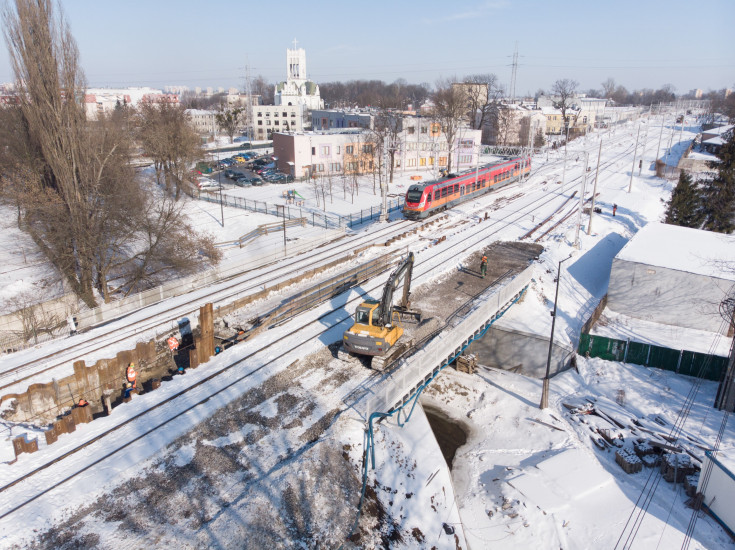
483	266
615	209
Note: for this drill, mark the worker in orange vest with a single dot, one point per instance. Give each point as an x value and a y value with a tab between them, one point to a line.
131	374
483	266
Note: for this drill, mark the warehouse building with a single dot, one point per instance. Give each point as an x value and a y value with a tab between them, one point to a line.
674	276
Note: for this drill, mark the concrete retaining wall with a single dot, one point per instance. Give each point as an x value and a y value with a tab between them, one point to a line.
520	352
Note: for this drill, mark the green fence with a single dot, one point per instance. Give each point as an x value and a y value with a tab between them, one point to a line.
690	363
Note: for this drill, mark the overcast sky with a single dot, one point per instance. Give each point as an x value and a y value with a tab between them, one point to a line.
640	44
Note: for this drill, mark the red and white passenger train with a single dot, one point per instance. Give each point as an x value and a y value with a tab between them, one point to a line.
424	199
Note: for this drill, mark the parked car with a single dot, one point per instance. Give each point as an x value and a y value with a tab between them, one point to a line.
231	174
255	180
278	178
242	181
207	183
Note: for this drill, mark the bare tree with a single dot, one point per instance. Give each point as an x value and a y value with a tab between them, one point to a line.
448	111
482	91
385	137
608	87
506	122
261	87
229	120
78	166
564	89
72	182
167	137
34	319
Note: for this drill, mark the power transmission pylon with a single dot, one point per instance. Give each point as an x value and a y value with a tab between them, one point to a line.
513	75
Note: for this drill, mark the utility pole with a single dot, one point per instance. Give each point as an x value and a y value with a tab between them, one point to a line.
635	152
545	391
661	133
594	191
279	207
384	185
249	106
581	199
221	208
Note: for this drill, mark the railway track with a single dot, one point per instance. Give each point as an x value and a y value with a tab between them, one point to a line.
266	354
186	306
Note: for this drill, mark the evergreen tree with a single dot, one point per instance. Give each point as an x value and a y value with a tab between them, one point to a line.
719	194
685	206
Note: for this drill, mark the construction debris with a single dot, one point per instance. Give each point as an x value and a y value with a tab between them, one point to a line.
466	363
639	441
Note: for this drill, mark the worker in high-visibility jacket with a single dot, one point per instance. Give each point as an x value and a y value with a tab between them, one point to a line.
131	374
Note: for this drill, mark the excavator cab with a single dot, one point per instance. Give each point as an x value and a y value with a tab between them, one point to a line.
368	336
376	325
366	312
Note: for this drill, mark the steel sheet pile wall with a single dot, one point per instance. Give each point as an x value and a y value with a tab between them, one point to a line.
417	369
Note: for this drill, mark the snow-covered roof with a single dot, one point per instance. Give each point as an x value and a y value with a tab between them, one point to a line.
719	131
550	111
714	141
682	249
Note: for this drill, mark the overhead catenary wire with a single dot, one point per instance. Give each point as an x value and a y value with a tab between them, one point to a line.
654	478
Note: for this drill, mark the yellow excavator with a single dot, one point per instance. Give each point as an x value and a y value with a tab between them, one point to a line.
376	328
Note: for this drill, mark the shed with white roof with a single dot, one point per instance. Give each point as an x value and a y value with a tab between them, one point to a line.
676	276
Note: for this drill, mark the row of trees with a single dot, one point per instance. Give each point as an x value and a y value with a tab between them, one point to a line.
71	180
707	204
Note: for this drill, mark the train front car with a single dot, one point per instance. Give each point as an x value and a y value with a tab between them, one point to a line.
415	206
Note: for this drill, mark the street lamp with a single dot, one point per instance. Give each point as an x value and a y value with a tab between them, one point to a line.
545	392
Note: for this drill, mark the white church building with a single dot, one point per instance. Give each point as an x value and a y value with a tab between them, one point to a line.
297	89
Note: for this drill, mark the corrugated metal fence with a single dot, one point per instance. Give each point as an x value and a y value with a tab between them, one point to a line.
689	363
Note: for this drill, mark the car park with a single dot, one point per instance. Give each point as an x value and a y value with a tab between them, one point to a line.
242	181
256	180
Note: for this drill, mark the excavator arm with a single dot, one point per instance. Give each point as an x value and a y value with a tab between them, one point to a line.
404	270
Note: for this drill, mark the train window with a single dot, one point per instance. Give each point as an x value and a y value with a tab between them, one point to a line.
414	195
495	179
428	197
437	194
456	188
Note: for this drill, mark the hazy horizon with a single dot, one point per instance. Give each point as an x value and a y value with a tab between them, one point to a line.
638	44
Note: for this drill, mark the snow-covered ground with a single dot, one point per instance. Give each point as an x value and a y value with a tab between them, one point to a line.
516	483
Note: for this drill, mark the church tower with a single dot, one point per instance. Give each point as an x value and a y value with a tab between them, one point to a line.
296	65
297	89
